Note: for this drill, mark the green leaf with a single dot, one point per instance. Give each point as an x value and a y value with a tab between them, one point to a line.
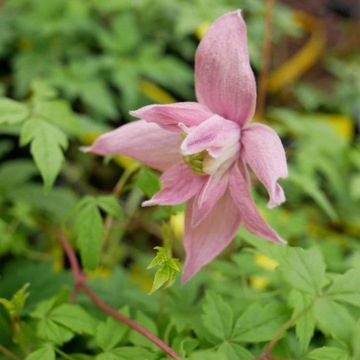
305	325
89	228
12	112
218	316
75	318
329	353
148	182
234	352
45	353
110	205
127	353
259	322
59	113
346	287
334	319
48	330
110	332
47	145
304	270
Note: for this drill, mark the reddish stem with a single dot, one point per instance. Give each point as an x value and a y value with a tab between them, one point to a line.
80	284
8	353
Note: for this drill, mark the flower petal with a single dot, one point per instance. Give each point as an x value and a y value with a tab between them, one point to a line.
206	240
263	151
224	80
179	185
206	198
170	115
214	133
142	141
253	221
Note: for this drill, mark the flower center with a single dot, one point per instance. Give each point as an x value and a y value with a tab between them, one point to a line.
212	146
196	162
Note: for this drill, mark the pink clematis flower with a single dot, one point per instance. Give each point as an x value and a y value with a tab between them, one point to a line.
203	148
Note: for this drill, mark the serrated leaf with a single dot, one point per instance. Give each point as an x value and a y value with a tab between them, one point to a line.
75	318
329	353
304	270
110	205
110	332
305	325
89	228
334	319
234	352
346	287
45	353
59	113
12	112
259	322
217	316
48	330
47	145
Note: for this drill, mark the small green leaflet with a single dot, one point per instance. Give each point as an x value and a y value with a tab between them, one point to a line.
45	353
218	316
17	302
12	112
47	145
89	228
169	269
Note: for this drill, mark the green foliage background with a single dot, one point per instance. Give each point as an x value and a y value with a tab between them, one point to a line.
71	70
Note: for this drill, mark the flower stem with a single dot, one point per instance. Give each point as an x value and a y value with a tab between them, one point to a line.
266	55
80	284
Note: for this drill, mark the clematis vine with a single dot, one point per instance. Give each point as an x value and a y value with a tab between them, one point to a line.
203	148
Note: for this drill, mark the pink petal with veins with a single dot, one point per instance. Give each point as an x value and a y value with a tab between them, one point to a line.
250	215
263	151
142	141
170	115
224	80
179	185
206	240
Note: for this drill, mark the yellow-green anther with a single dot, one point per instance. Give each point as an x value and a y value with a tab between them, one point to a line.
196	162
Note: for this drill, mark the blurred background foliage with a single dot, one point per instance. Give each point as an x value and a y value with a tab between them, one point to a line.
81	66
